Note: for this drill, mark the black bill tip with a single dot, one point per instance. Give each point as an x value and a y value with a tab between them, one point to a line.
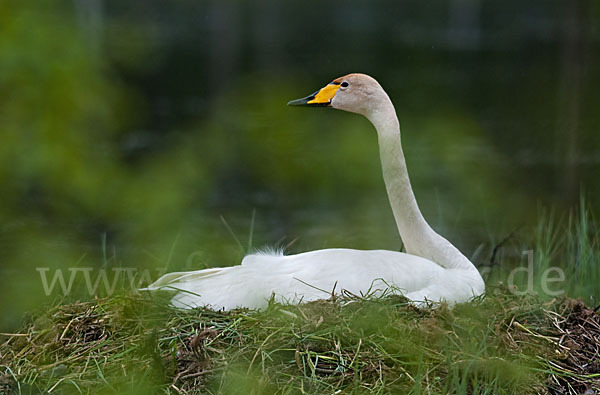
301	102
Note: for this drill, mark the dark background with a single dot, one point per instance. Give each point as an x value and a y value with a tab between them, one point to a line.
153	134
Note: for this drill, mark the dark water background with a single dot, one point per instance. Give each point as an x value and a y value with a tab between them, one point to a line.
142	134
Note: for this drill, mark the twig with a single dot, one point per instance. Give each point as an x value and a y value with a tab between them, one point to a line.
497	247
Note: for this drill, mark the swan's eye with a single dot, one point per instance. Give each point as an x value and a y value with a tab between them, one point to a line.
344	84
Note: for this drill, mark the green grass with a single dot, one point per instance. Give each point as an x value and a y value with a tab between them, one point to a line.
500	343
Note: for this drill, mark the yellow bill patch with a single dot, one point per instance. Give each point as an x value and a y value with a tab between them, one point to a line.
325	95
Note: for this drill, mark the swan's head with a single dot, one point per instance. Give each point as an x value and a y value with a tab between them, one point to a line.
356	93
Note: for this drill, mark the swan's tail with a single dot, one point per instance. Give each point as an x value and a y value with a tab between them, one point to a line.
216	288
167	280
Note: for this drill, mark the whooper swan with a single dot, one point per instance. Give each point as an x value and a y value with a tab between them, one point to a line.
431	270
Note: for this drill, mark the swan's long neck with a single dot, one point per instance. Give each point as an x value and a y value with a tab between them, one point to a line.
418	237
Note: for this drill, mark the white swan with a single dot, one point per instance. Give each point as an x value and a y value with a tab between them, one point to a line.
432	269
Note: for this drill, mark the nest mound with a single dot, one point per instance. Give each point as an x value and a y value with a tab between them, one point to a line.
511	344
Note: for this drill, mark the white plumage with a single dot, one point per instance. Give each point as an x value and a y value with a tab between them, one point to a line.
432	270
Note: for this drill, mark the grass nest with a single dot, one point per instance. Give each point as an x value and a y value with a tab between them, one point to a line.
500	343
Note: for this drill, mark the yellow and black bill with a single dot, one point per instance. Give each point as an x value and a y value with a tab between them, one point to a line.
321	98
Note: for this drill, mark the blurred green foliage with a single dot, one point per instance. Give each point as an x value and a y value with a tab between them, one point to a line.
129	129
